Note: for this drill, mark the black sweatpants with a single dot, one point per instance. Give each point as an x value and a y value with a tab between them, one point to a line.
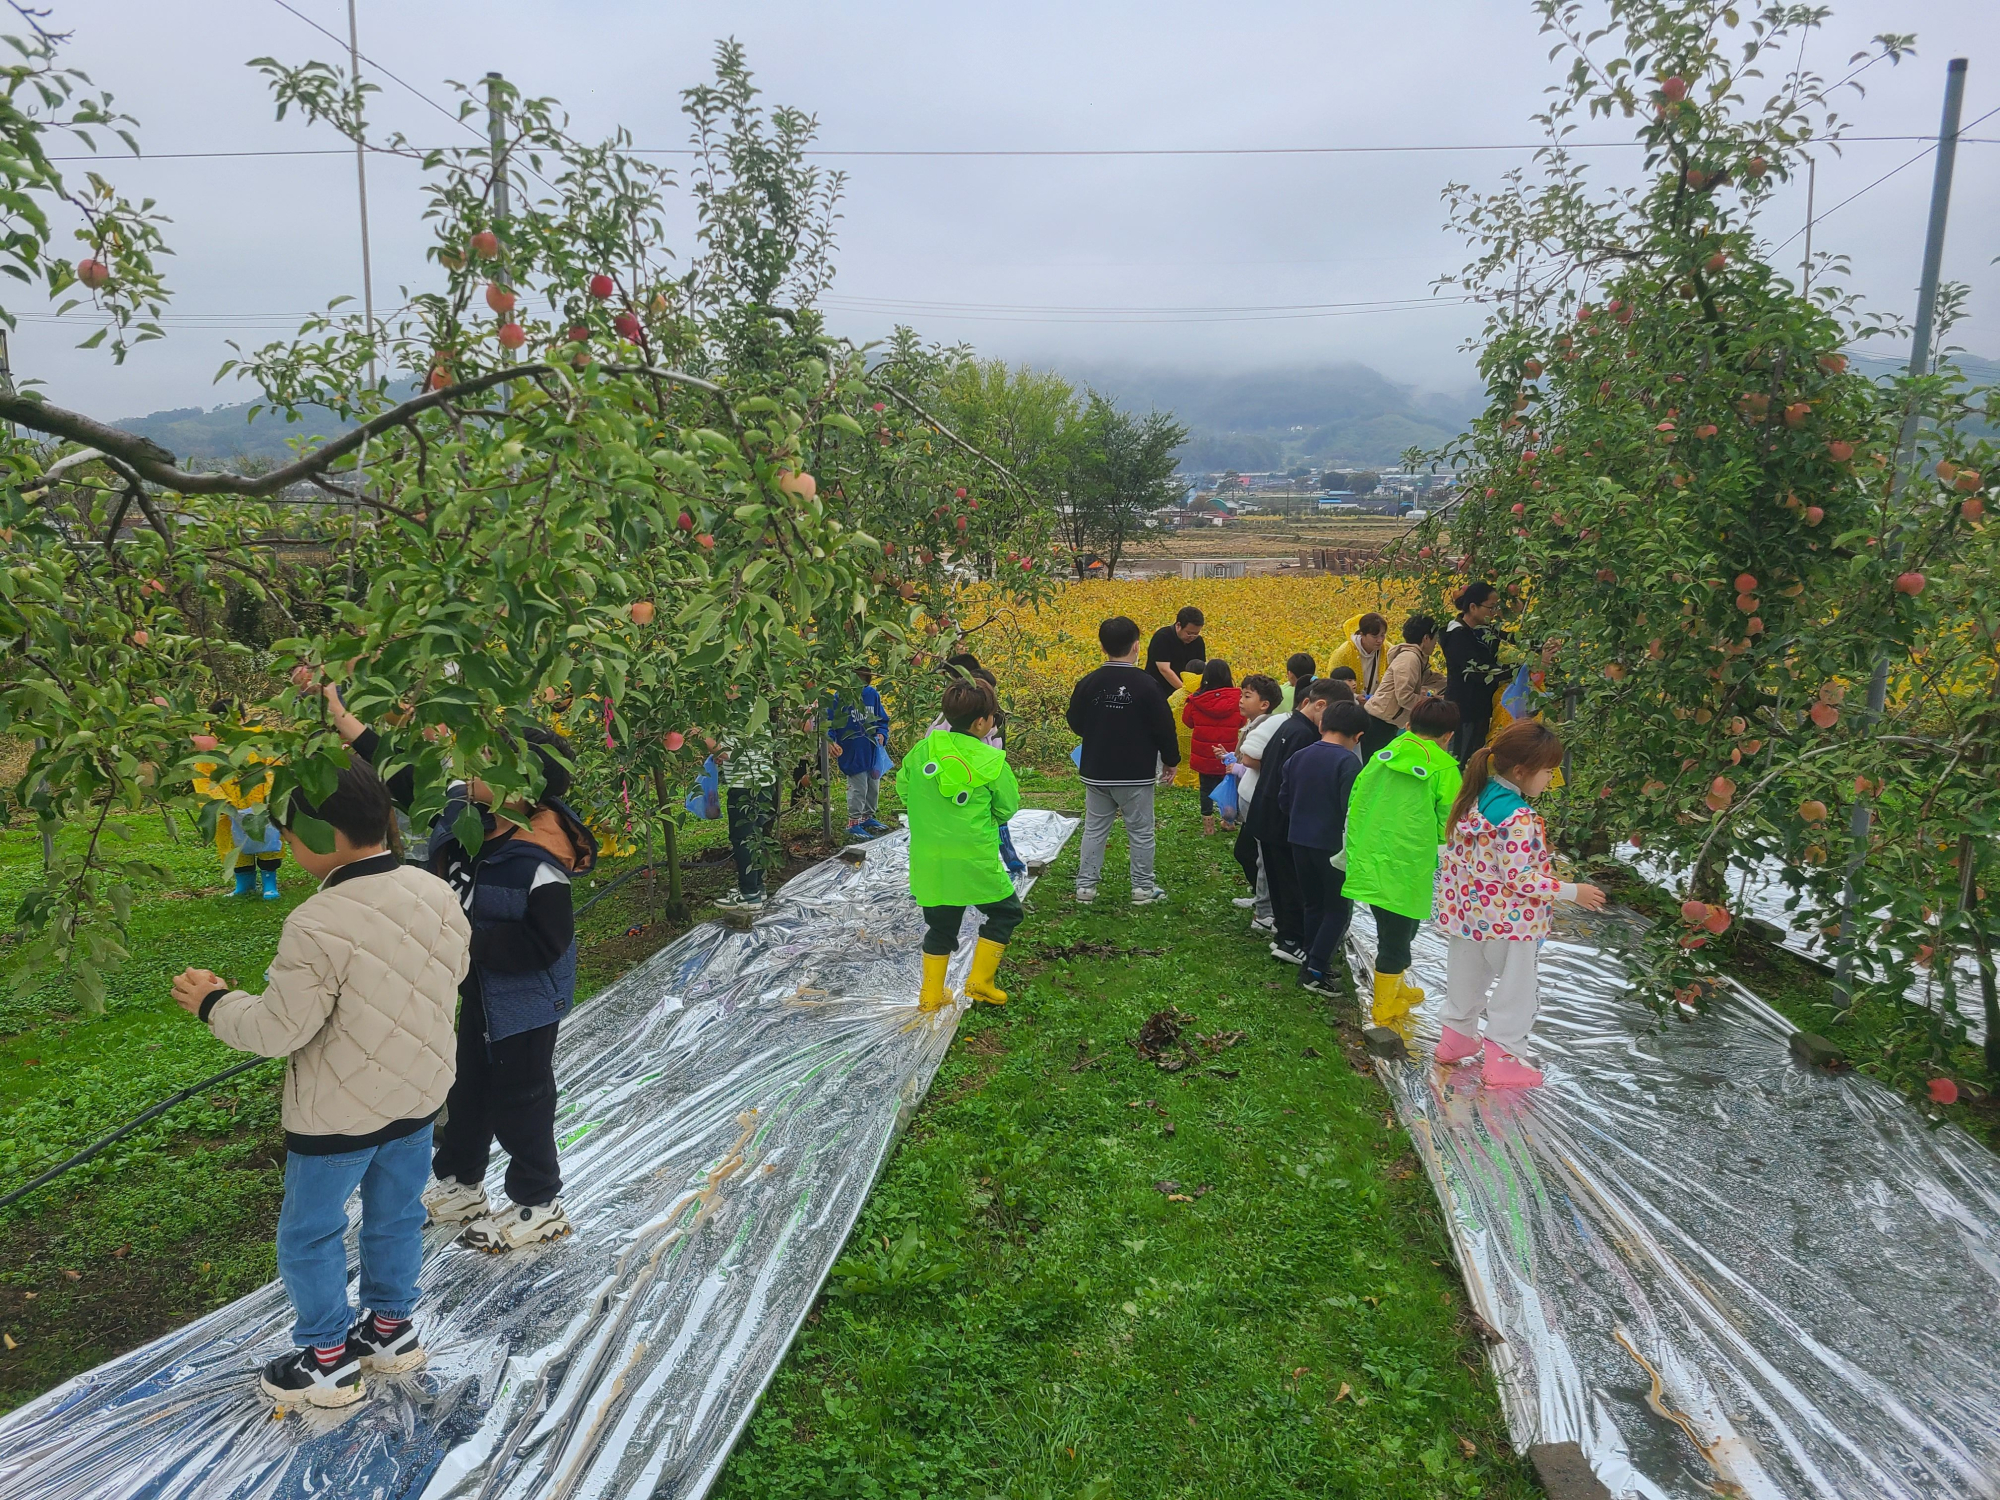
1326	909
1394	933
1471	734
753	814
1208	785
1376	736
941	923
1288	912
1245	850
505	1090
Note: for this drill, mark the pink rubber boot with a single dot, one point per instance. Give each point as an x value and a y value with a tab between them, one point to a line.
1455	1047
1506	1071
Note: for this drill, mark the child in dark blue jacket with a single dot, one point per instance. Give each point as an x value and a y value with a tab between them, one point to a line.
516	892
1313	789
857	725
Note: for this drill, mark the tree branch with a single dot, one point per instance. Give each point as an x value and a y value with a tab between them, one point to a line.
156	465
999	468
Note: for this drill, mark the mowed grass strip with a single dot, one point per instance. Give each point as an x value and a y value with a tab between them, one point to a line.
1082	1275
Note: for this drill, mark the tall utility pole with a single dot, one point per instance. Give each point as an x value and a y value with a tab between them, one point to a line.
1805	265
496	139
1906	454
367	274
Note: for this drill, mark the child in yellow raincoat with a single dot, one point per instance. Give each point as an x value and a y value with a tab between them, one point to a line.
253	859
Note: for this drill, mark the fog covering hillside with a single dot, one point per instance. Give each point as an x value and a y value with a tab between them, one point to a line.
1328	416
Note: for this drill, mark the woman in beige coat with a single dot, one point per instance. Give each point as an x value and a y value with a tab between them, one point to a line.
1407	678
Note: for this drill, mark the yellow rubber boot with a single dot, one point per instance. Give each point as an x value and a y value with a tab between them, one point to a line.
1413	995
934	995
979	983
1390	1001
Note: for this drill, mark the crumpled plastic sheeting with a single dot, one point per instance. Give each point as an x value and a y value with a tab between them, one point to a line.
1763	893
1711	1266
726	1109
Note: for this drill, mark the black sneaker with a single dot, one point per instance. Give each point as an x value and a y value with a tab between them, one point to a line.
1286	953
299	1376
1319	984
386	1348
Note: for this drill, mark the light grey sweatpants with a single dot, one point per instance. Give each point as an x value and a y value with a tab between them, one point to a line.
864	795
1103	804
1495	978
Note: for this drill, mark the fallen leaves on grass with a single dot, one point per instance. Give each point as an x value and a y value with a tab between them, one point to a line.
1174	1194
1169	1044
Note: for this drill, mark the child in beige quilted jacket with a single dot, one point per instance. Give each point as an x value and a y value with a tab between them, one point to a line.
360	1002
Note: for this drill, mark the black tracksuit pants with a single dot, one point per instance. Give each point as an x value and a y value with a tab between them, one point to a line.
1288	911
1326	909
505	1091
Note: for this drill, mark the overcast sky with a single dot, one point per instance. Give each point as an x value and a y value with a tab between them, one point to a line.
1020	255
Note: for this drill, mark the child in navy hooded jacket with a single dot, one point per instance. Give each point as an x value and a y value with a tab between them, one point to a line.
516	892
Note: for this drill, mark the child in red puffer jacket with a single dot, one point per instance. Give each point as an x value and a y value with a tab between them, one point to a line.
1215	714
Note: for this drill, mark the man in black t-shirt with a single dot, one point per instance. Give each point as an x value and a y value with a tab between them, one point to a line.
1174	646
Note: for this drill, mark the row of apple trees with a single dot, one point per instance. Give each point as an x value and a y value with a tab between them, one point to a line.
1683	479
639	495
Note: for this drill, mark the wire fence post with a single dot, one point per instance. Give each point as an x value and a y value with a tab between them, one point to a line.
1906	454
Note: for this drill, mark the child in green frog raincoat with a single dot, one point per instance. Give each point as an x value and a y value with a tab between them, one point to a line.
957	790
1397	817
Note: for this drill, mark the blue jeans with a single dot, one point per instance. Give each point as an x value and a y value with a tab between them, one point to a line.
312	1231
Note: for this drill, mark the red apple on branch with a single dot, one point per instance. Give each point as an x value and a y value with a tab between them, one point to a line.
641	611
486	245
499	298
92	273
674	739
1910	583
1825	715
1674	89
602	286
203	741
628	327
1839	450
511	336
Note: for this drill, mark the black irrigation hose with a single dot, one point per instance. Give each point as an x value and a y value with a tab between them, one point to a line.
203	1087
131	1125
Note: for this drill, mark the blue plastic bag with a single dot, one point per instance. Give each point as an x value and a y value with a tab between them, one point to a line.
1076	755
705	801
1515	699
884	763
1224	798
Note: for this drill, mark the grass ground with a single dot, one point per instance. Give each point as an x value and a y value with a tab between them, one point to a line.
178	1218
1084	1276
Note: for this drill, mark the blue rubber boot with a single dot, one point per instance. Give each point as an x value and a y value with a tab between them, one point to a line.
246	881
270	885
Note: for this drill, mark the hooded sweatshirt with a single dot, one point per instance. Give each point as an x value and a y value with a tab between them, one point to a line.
1406	677
1496	879
1396	817
1216	718
1365	665
956	792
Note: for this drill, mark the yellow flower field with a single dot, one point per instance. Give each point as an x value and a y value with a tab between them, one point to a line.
1252	623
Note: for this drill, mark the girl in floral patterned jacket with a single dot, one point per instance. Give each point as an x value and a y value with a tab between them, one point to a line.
1496	884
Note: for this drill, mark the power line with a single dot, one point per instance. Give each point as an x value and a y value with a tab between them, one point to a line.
1821	218
1160	315
1009	152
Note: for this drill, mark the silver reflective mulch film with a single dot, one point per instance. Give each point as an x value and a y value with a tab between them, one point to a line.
1716	1270
726	1108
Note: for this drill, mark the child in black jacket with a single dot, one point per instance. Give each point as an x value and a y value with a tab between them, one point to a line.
516	892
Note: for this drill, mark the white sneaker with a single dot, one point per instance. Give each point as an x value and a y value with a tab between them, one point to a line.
516	1227
1287	954
450	1201
1263	924
1147	898
1085	894
1246	902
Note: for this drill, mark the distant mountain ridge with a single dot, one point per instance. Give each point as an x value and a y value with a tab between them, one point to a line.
226	432
1322	416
